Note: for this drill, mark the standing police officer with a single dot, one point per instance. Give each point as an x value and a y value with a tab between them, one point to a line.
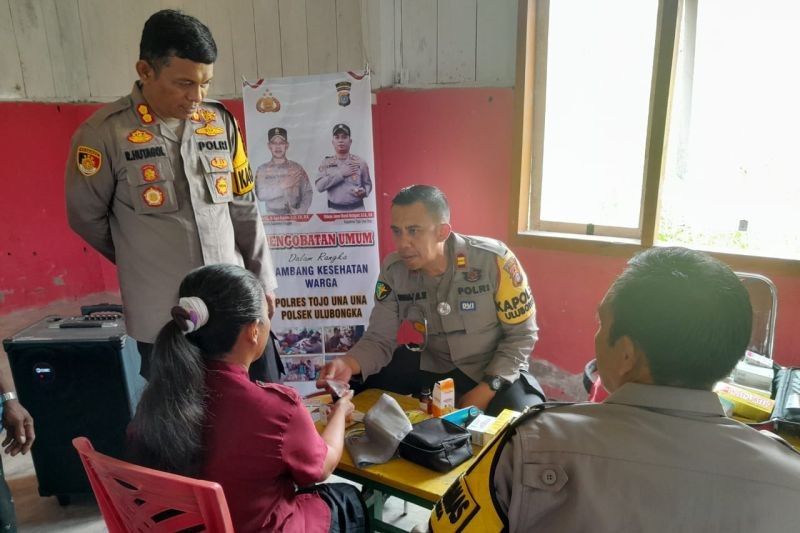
159	182
456	306
281	184
344	175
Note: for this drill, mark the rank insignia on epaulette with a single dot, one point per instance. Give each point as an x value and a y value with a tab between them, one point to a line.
461	261
88	160
149	173
222	185
144	114
153	196
140	136
209	130
207	115
219	162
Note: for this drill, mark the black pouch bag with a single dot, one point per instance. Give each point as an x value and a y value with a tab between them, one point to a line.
437	444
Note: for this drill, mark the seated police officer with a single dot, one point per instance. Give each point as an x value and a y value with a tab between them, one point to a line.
659	454
446	305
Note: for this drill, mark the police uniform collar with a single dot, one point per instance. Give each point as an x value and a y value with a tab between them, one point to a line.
658	397
457	244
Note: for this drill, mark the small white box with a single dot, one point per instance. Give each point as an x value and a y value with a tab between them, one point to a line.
477	429
751	375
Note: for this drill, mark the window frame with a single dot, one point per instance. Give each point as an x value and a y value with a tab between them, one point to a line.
529	127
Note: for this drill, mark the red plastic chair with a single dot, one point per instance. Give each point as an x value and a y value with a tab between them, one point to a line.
135	499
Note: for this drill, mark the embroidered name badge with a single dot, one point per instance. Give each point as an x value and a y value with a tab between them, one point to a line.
468	306
88	160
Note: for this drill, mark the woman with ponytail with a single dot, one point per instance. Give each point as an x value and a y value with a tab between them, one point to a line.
201	416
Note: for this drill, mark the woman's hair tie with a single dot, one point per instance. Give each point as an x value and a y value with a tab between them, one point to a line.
190	314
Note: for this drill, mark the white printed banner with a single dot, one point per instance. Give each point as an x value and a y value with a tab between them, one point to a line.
309	141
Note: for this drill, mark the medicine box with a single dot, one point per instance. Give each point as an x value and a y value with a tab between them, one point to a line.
444	397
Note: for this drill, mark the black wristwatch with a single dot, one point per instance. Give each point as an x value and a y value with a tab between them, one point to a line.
495	382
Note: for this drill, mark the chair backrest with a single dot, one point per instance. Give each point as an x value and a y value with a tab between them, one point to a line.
764	299
134	498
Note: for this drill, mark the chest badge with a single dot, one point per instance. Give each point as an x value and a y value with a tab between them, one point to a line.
153	196
219	162
473	275
149	173
209	130
88	160
140	136
222	185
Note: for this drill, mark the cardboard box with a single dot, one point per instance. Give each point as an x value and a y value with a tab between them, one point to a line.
745	403
484	428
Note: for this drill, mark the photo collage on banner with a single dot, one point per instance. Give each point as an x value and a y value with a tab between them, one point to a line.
309	141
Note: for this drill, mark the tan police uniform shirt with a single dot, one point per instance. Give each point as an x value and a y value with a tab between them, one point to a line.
284	188
158	206
648	459
491	327
335	177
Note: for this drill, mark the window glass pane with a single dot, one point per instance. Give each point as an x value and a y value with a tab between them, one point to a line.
731	179
599	70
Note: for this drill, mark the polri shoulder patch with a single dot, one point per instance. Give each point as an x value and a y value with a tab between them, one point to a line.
88	160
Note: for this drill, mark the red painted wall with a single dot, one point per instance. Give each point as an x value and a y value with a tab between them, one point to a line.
458	139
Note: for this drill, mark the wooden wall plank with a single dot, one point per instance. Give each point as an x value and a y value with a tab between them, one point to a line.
378	23
419	41
108	46
34	56
496	42
268	38
65	46
243	34
349	35
294	37
218	20
12	84
455	52
322	44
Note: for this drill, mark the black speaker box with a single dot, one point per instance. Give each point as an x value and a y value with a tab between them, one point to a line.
77	377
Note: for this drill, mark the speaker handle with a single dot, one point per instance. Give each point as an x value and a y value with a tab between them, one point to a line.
101	308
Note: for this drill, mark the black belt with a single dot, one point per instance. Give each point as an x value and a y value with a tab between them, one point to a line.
346	207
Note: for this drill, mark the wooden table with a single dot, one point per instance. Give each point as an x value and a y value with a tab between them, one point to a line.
397	477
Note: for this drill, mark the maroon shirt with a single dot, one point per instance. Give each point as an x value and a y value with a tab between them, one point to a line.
260	442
